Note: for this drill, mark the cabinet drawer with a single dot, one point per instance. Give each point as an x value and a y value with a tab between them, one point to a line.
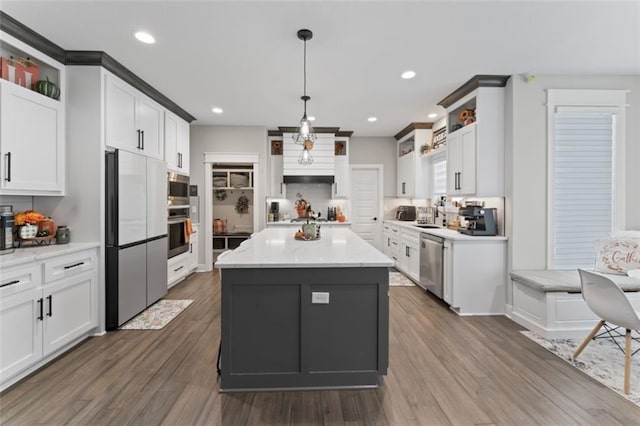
20	278
178	267
410	238
69	265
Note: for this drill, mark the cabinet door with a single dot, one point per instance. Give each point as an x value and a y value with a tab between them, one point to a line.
193	251
150	117
132	282
120	116
20	332
413	261
453	162
183	147
467	177
341	185
447	291
70	310
156	270
406	178
171	141
278	188
31	141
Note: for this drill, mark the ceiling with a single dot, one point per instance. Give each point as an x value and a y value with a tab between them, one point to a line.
244	56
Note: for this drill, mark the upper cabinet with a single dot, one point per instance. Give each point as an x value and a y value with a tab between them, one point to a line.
278	189
176	143
475	140
411	175
32	125
341	184
133	121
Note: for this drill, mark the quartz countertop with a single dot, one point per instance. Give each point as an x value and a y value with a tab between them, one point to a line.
33	253
449	234
338	247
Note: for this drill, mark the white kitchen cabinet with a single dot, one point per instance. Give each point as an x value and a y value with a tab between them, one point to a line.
475	152
176	143
392	242
412	178
461	161
32	129
475	276
133	121
44	307
409	256
277	187
341	185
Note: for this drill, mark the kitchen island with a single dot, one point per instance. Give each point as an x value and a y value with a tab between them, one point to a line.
304	314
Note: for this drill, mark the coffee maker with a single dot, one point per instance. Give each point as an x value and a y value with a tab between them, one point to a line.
7	219
275	210
480	220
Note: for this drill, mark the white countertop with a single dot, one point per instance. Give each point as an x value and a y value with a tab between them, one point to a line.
299	224
32	253
276	247
449	234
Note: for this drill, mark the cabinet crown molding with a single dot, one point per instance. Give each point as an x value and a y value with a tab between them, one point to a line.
410	128
474	82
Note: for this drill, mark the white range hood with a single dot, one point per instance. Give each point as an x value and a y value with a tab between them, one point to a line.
322	170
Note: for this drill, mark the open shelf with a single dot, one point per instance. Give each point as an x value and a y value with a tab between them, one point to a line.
232	178
453	122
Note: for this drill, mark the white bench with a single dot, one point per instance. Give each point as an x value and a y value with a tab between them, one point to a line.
550	304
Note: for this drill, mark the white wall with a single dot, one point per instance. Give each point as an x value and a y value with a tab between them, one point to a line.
246	139
376	150
526	139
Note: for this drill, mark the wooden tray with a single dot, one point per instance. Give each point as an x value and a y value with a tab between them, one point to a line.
38	241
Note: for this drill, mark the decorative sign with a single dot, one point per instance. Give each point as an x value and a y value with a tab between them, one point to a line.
439	138
276	147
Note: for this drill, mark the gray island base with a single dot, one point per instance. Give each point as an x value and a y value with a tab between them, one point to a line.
291	327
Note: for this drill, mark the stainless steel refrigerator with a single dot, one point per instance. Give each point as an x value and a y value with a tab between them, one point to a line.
136	235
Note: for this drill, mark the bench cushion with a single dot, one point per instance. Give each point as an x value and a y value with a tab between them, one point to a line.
565	280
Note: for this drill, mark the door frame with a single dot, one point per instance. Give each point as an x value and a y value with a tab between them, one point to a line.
380	169
231	158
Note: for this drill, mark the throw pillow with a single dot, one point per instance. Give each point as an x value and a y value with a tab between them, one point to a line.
617	256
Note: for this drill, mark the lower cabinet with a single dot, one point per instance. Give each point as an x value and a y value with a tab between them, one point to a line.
409	257
193	250
182	265
44	307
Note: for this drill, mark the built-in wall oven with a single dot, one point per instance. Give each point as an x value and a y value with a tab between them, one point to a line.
178	213
432	264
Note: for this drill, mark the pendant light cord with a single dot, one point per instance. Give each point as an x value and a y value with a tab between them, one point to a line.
305	77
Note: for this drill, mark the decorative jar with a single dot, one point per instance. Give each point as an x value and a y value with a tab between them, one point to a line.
63	235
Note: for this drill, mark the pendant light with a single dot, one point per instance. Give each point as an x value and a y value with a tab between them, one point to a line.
304	134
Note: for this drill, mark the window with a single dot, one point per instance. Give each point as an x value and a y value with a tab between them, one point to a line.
586	173
437	174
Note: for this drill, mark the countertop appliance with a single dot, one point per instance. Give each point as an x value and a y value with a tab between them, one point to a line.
136	235
407	213
432	264
275	210
480	220
7	220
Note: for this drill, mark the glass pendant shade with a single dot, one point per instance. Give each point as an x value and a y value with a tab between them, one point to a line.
305	158
304	132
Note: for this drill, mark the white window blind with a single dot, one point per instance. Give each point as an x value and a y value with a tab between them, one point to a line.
583	185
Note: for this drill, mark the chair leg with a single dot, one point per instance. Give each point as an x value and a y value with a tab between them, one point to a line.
588	339
627	362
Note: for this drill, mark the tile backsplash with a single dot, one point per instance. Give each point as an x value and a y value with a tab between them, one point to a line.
318	194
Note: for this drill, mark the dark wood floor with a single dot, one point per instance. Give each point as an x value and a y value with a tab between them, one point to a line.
444	369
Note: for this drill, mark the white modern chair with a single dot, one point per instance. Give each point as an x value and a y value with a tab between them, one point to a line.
608	301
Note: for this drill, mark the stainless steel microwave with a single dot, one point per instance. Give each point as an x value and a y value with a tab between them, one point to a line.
177	189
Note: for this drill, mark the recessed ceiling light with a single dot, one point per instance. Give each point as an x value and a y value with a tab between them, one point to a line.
216	110
311	118
372	119
144	37
432	115
408	74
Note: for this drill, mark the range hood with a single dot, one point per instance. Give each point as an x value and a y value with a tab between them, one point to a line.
322	170
308	179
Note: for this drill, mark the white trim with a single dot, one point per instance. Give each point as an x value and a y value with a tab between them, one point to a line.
569	100
226	157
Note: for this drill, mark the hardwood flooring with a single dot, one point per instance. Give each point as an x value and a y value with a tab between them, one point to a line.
444	369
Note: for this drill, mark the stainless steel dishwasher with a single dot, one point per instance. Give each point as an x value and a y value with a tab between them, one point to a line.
432	263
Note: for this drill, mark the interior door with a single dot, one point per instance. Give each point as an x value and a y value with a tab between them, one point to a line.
366	203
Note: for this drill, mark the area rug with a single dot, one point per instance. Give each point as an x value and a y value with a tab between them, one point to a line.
157	315
601	360
397	279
